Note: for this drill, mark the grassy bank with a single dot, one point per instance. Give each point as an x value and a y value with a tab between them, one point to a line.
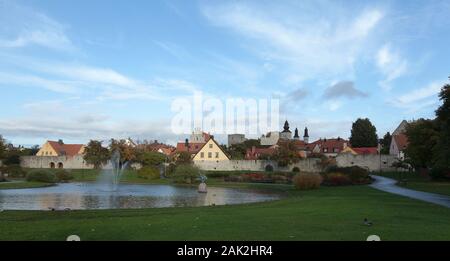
416	181
23	184
329	213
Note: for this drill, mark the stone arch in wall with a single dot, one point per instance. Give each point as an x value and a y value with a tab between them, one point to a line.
60	165
52	165
268	167
295	169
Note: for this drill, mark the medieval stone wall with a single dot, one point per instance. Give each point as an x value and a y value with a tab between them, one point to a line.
46	162
307	165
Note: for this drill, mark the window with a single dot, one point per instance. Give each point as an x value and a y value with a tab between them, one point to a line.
46	153
325	150
217	155
210	146
202	155
209	154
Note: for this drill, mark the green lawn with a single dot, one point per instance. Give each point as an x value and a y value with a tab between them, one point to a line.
418	182
23	184
329	213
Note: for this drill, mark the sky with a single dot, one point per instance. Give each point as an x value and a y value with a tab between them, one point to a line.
80	70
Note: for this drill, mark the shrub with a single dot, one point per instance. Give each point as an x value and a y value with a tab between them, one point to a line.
41	176
306	181
63	175
233	178
254	177
186	173
148	173
356	174
280	179
440	174
337	179
14	171
219	174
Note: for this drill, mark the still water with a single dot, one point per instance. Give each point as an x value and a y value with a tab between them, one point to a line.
95	196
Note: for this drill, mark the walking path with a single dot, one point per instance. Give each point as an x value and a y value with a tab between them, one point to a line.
389	185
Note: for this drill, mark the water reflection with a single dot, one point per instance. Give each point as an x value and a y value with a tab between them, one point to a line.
94	196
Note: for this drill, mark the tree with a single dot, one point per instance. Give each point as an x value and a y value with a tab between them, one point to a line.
386	143
186	173
2	147
441	152
422	138
286	154
363	134
127	152
96	154
2	152
184	158
238	151
150	158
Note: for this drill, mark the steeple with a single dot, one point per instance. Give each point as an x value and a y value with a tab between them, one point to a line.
296	134
286	127
306	136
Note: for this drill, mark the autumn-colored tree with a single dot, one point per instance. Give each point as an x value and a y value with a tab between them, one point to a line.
96	154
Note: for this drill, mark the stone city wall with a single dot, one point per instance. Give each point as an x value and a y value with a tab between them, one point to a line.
307	165
47	162
370	162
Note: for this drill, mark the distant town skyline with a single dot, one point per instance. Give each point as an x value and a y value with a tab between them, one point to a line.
99	69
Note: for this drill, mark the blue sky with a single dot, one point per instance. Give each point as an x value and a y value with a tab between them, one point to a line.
98	69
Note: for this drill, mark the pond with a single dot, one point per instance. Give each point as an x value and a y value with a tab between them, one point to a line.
95	196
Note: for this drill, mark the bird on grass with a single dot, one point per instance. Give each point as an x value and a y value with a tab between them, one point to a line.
367	222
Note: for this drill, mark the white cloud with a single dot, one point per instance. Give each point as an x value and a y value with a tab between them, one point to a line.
391	65
35	81
420	98
431	89
313	45
21	26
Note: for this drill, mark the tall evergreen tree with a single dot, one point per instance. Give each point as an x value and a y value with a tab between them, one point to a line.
441	157
363	134
386	143
422	139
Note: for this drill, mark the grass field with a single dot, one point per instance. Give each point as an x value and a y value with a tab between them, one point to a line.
329	213
418	182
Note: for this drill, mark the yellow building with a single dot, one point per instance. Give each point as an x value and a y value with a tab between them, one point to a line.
349	150
211	151
58	148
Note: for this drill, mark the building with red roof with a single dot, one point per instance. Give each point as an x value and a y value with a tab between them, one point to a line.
59	148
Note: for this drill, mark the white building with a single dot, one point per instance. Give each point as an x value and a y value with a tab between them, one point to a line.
236	139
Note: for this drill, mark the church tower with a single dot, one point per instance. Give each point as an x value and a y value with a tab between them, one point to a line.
296	137
306	136
286	134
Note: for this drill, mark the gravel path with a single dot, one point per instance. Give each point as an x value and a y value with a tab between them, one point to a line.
389	185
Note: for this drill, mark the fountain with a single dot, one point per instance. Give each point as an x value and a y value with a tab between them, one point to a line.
112	172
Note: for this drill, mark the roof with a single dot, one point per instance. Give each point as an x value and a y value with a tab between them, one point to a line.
193	147
66	149
366	150
254	152
300	144
220	147
400	128
166	151
329	144
401	140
